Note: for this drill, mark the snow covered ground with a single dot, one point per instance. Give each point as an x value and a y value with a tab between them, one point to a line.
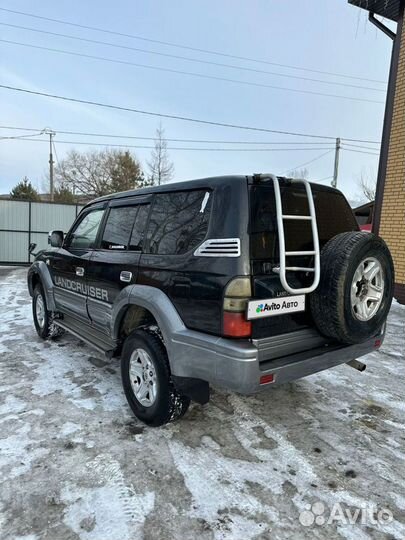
74	462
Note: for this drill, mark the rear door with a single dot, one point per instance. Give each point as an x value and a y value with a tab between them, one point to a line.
114	263
334	216
178	224
70	263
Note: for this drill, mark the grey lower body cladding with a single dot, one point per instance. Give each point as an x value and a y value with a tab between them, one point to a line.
242	367
81	288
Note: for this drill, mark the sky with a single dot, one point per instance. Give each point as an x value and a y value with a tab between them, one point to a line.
330	36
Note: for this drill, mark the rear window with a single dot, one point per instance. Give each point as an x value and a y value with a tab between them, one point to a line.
118	227
178	221
333	213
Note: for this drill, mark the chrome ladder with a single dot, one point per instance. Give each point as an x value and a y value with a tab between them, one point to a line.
281	217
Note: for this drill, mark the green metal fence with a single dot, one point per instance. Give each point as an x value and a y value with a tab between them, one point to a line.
24	222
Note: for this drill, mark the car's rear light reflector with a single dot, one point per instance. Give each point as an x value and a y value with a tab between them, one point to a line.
266	379
236	325
377	343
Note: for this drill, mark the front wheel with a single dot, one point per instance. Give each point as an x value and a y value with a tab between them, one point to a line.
147	382
43	319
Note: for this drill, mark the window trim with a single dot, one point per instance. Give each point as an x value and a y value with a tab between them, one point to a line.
131	201
145	237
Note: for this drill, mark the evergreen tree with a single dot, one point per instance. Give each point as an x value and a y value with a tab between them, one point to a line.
24	191
63	195
126	172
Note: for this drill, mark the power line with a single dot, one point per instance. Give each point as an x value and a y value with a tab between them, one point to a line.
308	162
359	146
196	49
359	151
21	136
207	141
360	141
91	143
171	116
323	179
188	73
167	55
204	141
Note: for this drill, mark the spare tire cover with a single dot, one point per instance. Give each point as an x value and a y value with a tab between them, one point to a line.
356	286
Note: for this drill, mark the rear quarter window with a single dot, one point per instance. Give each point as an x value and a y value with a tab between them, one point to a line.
178	221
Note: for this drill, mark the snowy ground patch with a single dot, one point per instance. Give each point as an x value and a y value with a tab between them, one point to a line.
75	463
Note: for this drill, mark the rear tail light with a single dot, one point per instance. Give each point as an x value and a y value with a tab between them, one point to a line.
236	325
237	294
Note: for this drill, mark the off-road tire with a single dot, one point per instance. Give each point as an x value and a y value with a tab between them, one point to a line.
331	304
49	330
169	404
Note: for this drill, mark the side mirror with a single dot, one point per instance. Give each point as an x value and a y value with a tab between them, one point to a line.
31	248
55	238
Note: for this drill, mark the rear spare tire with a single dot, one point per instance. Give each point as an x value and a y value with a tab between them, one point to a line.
356	286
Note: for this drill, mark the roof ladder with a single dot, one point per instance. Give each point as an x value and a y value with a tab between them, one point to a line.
281	217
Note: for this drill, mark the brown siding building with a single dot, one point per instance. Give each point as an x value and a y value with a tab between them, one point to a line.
389	213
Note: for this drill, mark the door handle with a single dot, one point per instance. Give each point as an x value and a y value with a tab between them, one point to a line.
126	276
79	271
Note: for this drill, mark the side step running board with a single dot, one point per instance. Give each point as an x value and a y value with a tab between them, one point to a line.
89	335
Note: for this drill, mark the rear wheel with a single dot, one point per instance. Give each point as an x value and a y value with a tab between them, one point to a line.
147	381
355	292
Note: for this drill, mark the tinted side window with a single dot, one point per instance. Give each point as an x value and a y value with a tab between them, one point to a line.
118	227
85	232
139	229
179	221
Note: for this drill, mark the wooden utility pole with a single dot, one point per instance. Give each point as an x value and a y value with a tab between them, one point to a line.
51	162
51	134
336	167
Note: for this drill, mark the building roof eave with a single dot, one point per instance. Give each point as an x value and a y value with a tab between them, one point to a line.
390	9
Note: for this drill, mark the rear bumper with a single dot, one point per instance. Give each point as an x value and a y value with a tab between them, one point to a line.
239	365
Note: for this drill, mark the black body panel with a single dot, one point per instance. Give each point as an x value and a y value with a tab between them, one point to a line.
159	253
334	216
194	284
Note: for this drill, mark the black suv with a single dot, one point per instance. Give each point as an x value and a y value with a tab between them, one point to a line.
244	282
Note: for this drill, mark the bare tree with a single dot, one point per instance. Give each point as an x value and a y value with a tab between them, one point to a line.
98	172
367	183
298	173
161	169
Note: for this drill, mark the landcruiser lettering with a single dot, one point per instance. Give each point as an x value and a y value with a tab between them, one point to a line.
82	288
244	282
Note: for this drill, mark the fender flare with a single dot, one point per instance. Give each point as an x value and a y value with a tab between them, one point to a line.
41	269
155	301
